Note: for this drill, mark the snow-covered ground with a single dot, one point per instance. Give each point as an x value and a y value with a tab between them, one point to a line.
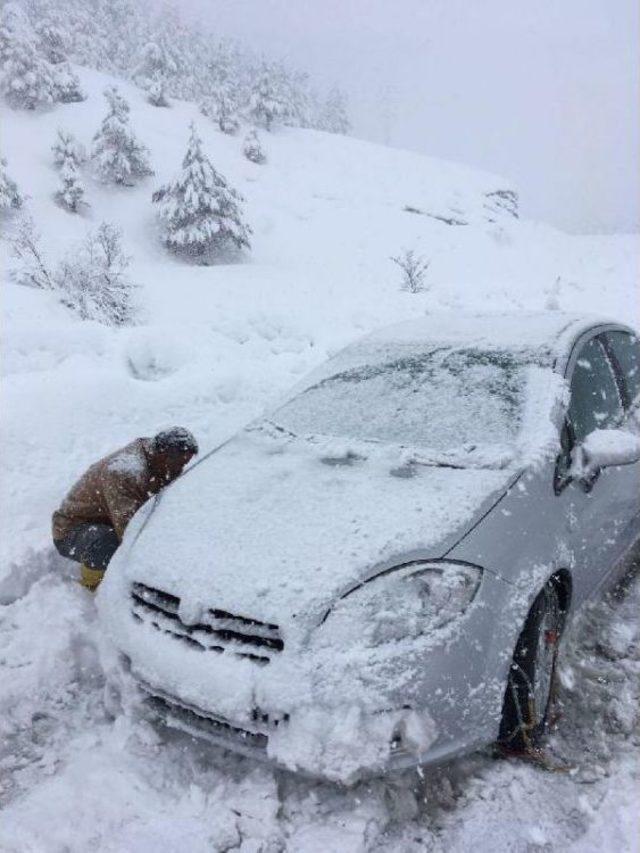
214	346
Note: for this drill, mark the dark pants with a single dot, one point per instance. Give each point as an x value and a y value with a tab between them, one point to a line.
91	544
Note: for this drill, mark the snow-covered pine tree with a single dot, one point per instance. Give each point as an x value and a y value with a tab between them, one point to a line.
71	193
123	24
200	211
296	95
67	84
155	67
53	36
334	113
116	153
111	35
157	91
267	106
66	145
252	149
89	37
222	109
69	155
14	24
9	194
27	79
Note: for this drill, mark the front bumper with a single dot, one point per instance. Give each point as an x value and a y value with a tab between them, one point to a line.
253	743
313	717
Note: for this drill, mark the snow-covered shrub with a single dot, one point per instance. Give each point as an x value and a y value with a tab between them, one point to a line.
252	149
500	202
200	211
32	269
414	268
116	153
9	194
92	280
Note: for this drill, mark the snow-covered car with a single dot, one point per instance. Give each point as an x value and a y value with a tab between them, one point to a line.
379	572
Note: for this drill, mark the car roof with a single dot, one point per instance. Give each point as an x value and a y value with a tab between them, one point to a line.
552	331
547	337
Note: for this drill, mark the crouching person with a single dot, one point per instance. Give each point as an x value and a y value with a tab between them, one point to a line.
90	523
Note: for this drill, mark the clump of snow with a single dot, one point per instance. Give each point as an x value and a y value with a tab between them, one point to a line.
539	437
605	447
155	353
128	463
346	742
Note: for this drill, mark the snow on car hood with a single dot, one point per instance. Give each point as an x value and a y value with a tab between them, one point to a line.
274	530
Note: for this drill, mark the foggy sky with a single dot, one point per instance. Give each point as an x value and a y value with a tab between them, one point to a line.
544	92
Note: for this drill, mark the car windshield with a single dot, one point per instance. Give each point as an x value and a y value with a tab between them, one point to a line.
444	400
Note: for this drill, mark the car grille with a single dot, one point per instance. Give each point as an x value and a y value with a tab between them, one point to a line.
219	631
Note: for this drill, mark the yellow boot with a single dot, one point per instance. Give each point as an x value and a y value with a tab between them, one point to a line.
90	578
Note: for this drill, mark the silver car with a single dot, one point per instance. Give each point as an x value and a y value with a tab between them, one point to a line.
378	573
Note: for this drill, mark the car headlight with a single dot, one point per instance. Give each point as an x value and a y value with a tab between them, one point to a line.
411	600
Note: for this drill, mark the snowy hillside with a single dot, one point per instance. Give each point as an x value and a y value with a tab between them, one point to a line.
212	347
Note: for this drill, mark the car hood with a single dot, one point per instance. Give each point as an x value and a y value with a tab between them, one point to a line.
275	530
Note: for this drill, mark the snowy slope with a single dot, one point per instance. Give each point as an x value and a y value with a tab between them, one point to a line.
214	346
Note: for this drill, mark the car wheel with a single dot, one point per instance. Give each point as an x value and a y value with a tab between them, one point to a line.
530	685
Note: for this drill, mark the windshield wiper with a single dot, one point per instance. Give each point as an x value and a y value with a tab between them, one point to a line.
408	468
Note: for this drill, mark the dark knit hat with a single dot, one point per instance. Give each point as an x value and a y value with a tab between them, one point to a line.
175	440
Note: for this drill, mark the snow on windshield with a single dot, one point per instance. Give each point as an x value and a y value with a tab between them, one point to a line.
441	399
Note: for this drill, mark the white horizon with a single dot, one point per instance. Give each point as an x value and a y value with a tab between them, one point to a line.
546	96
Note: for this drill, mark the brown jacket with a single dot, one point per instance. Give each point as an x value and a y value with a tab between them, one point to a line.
110	491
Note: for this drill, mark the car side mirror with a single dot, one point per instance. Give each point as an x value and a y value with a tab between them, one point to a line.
603	448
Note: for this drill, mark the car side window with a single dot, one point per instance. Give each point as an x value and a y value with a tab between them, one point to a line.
626	351
595	401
